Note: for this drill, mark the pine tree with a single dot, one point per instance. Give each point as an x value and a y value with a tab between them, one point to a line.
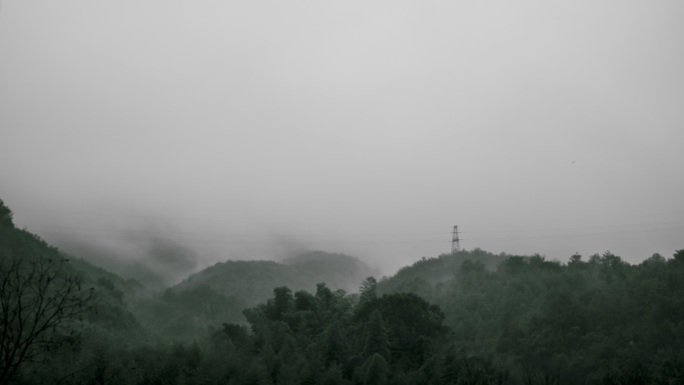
377	341
376	370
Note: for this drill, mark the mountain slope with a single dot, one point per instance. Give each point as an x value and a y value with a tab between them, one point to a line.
427	272
254	281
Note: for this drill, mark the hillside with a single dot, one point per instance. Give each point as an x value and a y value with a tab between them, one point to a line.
130	287
593	320
427	272
466	317
186	311
253	281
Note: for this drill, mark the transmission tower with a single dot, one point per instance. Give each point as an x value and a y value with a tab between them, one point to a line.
455	243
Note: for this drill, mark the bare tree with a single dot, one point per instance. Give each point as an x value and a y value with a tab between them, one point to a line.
41	300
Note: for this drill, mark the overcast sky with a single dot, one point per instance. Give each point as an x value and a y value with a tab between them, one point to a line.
244	129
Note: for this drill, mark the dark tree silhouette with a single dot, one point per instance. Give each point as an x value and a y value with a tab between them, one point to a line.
39	296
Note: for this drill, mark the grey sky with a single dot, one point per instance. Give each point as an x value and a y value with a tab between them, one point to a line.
365	127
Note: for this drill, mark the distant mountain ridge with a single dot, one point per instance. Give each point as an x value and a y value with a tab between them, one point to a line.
254	281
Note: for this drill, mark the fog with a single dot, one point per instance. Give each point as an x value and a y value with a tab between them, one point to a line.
177	134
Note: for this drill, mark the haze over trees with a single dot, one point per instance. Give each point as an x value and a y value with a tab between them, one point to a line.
40	296
470	317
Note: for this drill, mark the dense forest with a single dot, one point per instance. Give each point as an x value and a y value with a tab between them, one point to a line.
469	317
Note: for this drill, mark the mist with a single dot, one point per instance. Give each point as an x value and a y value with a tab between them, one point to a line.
173	135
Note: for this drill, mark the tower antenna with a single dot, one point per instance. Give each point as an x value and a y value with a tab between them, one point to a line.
455	242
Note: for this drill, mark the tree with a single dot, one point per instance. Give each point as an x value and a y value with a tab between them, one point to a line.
368	290
575	259
414	327
335	349
5	215
377	341
679	256
281	304
39	296
375	370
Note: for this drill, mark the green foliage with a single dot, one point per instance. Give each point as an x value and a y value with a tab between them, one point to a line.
253	281
470	317
679	256
584	322
368	290
5	215
413	325
42	299
377	341
188	314
326	336
422	277
375	370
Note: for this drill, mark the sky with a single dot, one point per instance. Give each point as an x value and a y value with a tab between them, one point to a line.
255	129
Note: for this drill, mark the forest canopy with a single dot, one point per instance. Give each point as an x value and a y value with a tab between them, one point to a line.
470	317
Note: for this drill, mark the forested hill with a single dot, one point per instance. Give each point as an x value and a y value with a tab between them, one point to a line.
590	320
428	272
470	317
253	281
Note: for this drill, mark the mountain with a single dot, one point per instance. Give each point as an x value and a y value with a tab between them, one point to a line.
202	302
427	272
131	287
52	301
157	263
254	281
338	271
598	320
466	317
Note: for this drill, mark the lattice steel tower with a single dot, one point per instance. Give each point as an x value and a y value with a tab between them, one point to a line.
455	242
